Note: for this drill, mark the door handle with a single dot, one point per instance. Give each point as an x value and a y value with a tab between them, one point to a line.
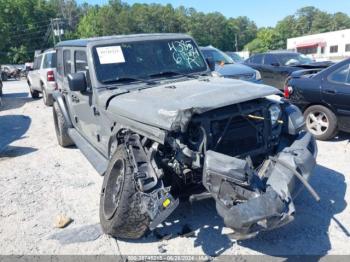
330	91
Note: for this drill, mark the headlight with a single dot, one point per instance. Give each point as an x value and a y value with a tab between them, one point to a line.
275	113
257	75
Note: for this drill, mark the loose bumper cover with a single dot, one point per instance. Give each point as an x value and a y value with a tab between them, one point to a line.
251	200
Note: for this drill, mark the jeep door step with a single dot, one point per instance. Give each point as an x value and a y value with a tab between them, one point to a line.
98	161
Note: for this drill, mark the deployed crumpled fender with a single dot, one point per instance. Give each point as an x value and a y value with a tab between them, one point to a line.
248	202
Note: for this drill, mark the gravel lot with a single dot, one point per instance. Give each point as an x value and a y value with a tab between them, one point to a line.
39	180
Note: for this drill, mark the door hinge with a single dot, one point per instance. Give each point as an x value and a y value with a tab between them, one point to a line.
96	112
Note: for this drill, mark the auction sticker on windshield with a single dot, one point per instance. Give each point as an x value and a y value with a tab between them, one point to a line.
110	55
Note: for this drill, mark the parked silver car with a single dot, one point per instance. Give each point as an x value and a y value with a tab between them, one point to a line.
42	78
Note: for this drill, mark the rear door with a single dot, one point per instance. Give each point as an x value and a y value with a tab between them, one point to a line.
336	91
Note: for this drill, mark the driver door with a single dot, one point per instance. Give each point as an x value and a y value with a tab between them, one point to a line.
83	112
275	73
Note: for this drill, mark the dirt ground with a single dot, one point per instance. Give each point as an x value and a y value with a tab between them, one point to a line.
40	180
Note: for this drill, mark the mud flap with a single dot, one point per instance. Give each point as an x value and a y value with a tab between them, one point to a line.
57	96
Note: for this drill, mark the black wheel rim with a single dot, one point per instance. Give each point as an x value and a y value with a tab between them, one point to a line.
113	188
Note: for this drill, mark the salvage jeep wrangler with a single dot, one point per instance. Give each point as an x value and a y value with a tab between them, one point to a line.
148	114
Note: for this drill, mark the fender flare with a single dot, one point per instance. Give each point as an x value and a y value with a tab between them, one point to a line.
58	97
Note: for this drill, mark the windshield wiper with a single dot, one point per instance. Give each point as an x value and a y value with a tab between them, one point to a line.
172	73
127	79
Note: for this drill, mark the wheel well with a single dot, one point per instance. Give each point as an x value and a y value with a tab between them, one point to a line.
319	104
115	140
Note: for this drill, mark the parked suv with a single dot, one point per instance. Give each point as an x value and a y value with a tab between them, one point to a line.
324	97
42	78
276	66
148	115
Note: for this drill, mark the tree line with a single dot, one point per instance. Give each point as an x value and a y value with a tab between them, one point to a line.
25	25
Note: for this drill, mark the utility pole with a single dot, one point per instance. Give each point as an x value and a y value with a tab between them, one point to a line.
52	30
56	27
236	42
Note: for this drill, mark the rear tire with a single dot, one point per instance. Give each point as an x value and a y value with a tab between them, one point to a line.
120	205
33	93
321	122
61	127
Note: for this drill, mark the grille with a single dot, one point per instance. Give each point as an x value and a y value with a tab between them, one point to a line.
242	136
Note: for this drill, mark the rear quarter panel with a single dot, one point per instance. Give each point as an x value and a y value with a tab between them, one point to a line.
33	79
306	91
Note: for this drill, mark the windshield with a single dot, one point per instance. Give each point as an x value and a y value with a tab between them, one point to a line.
235	57
294	59
147	60
217	55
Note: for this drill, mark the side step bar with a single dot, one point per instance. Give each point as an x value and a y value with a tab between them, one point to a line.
98	161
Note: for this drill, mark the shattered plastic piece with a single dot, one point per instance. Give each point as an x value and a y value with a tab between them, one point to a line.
62	221
161	248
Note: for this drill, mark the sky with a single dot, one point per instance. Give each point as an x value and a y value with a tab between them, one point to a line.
262	12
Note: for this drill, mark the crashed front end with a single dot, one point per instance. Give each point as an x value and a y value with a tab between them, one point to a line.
252	158
253	165
254	162
252	200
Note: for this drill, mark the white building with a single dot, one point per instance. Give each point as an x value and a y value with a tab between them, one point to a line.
332	46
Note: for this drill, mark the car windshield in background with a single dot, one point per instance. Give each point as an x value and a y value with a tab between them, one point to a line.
294	59
137	61
218	56
235	57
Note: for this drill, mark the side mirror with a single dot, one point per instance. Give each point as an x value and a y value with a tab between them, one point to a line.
211	63
77	82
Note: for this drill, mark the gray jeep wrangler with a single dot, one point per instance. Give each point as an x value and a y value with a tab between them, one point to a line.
147	113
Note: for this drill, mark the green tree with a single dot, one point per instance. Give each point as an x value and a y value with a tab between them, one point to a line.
340	21
267	39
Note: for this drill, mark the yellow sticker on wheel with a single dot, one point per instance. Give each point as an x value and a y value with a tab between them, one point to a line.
166	202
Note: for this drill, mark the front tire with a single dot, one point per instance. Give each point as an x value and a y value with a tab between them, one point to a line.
321	122
120	205
61	127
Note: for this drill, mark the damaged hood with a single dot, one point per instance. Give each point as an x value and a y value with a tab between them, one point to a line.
170	106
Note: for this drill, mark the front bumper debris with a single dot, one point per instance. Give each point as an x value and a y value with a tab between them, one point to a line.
251	202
